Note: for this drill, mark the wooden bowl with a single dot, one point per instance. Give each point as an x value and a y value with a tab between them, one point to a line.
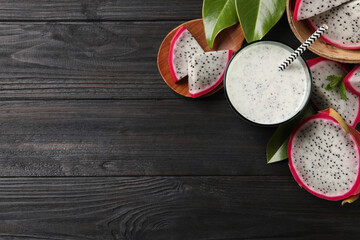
230	38
302	31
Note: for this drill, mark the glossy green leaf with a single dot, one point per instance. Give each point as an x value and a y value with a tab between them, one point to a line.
257	17
217	15
276	149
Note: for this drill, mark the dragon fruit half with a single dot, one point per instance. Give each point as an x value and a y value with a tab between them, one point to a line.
182	47
206	71
352	80
320	69
309	8
324	157
344	25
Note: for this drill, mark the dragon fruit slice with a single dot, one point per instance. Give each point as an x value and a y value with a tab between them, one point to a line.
182	47
320	69
309	8
206	71
324	157
344	25
352	80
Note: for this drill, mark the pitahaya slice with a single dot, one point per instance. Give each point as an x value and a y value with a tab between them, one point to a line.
352	80
344	25
182	47
206	71
309	8
320	69
324	157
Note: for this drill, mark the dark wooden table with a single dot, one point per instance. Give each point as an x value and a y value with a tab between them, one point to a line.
94	145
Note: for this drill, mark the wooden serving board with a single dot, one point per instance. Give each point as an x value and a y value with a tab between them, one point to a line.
230	38
302	31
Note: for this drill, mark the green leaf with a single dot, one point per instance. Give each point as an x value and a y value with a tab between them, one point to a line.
343	91
337	80
217	15
332	85
276	149
334	77
257	17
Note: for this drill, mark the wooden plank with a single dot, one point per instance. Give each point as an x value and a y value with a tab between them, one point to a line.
169	208
150	137
89	60
44	10
82	60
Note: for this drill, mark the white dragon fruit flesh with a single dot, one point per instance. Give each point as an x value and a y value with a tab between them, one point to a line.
344	25
352	80
206	71
309	8
182	47
320	69
324	157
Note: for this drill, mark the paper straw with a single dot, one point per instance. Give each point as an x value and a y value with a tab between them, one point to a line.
303	47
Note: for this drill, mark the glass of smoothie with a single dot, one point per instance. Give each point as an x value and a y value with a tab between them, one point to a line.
261	93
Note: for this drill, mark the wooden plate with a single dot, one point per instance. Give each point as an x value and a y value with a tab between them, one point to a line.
302	32
230	38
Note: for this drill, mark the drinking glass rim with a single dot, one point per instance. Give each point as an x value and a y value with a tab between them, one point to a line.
305	102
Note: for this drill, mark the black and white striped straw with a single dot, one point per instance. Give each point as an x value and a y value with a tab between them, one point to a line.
303	47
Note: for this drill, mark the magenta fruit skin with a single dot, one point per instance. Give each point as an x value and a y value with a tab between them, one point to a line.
355	188
348	82
217	82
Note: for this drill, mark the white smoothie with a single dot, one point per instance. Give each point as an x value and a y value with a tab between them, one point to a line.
259	91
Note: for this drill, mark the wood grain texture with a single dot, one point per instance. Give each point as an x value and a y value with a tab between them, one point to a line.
229	39
82	60
154	208
45	10
81	96
89	60
302	31
149	137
